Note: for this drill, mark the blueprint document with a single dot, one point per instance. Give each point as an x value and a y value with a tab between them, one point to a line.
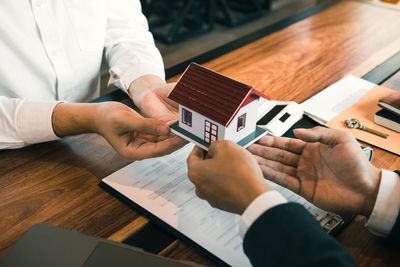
160	185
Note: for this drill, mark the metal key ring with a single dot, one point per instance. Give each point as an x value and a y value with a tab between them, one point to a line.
352	123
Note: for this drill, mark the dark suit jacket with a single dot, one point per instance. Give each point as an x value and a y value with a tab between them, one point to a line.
288	235
394	235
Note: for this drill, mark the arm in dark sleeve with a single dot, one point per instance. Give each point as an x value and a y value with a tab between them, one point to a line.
287	235
394	235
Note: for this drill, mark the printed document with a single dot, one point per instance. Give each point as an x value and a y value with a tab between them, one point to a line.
161	186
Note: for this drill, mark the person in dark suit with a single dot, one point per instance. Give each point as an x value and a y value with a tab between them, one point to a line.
325	166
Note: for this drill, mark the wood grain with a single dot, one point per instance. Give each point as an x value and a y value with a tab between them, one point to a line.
125	232
301	60
393	82
56	182
178	250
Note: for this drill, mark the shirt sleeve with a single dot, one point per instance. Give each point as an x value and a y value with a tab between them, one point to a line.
256	208
129	46
25	122
387	205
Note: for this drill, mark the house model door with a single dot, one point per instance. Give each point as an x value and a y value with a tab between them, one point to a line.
210	132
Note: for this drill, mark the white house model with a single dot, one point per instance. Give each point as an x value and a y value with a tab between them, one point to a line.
215	107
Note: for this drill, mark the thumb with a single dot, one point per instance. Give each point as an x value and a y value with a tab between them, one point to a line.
215	147
222	148
195	156
140	124
320	134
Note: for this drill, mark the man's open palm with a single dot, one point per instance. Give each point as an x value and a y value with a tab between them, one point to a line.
327	167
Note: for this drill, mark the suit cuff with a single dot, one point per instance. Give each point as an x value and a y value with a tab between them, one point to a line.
256	208
386	206
34	121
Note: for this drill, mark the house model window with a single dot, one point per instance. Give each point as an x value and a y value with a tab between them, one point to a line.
210	132
187	117
215	107
241	122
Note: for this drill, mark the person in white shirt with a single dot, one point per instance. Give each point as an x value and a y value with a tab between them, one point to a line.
325	166
51	53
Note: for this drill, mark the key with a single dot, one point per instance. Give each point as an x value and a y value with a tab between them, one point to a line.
354	123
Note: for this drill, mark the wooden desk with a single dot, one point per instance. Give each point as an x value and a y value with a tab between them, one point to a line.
56	182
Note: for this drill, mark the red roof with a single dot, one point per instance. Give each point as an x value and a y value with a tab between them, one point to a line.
212	94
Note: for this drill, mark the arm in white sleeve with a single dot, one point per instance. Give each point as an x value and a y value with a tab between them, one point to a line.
257	207
25	122
129	46
387	204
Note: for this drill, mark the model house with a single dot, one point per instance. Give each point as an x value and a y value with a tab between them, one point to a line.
215	107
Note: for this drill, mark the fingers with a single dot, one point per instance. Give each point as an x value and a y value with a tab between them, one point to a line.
213	149
223	147
196	155
277	166
199	194
197	169
166	90
150	137
282	179
141	149
275	154
137	123
288	144
323	135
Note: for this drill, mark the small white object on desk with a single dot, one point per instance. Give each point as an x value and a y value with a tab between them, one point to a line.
279	116
336	98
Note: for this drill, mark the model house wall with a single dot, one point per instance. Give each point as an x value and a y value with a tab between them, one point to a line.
250	110
198	124
198	121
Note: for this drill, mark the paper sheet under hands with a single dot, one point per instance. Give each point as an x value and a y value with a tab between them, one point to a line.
161	186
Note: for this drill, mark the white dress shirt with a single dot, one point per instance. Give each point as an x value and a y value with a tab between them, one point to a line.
380	222
51	50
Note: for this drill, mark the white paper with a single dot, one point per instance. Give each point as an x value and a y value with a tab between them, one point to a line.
161	186
336	98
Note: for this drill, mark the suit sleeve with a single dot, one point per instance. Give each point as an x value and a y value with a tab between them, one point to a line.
287	235
394	235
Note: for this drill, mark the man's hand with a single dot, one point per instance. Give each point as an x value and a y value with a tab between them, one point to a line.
150	95
327	167
228	177
131	135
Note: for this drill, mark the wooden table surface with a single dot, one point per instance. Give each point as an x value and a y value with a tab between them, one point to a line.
57	182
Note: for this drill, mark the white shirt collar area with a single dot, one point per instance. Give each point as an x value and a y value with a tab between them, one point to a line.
256	208
387	205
